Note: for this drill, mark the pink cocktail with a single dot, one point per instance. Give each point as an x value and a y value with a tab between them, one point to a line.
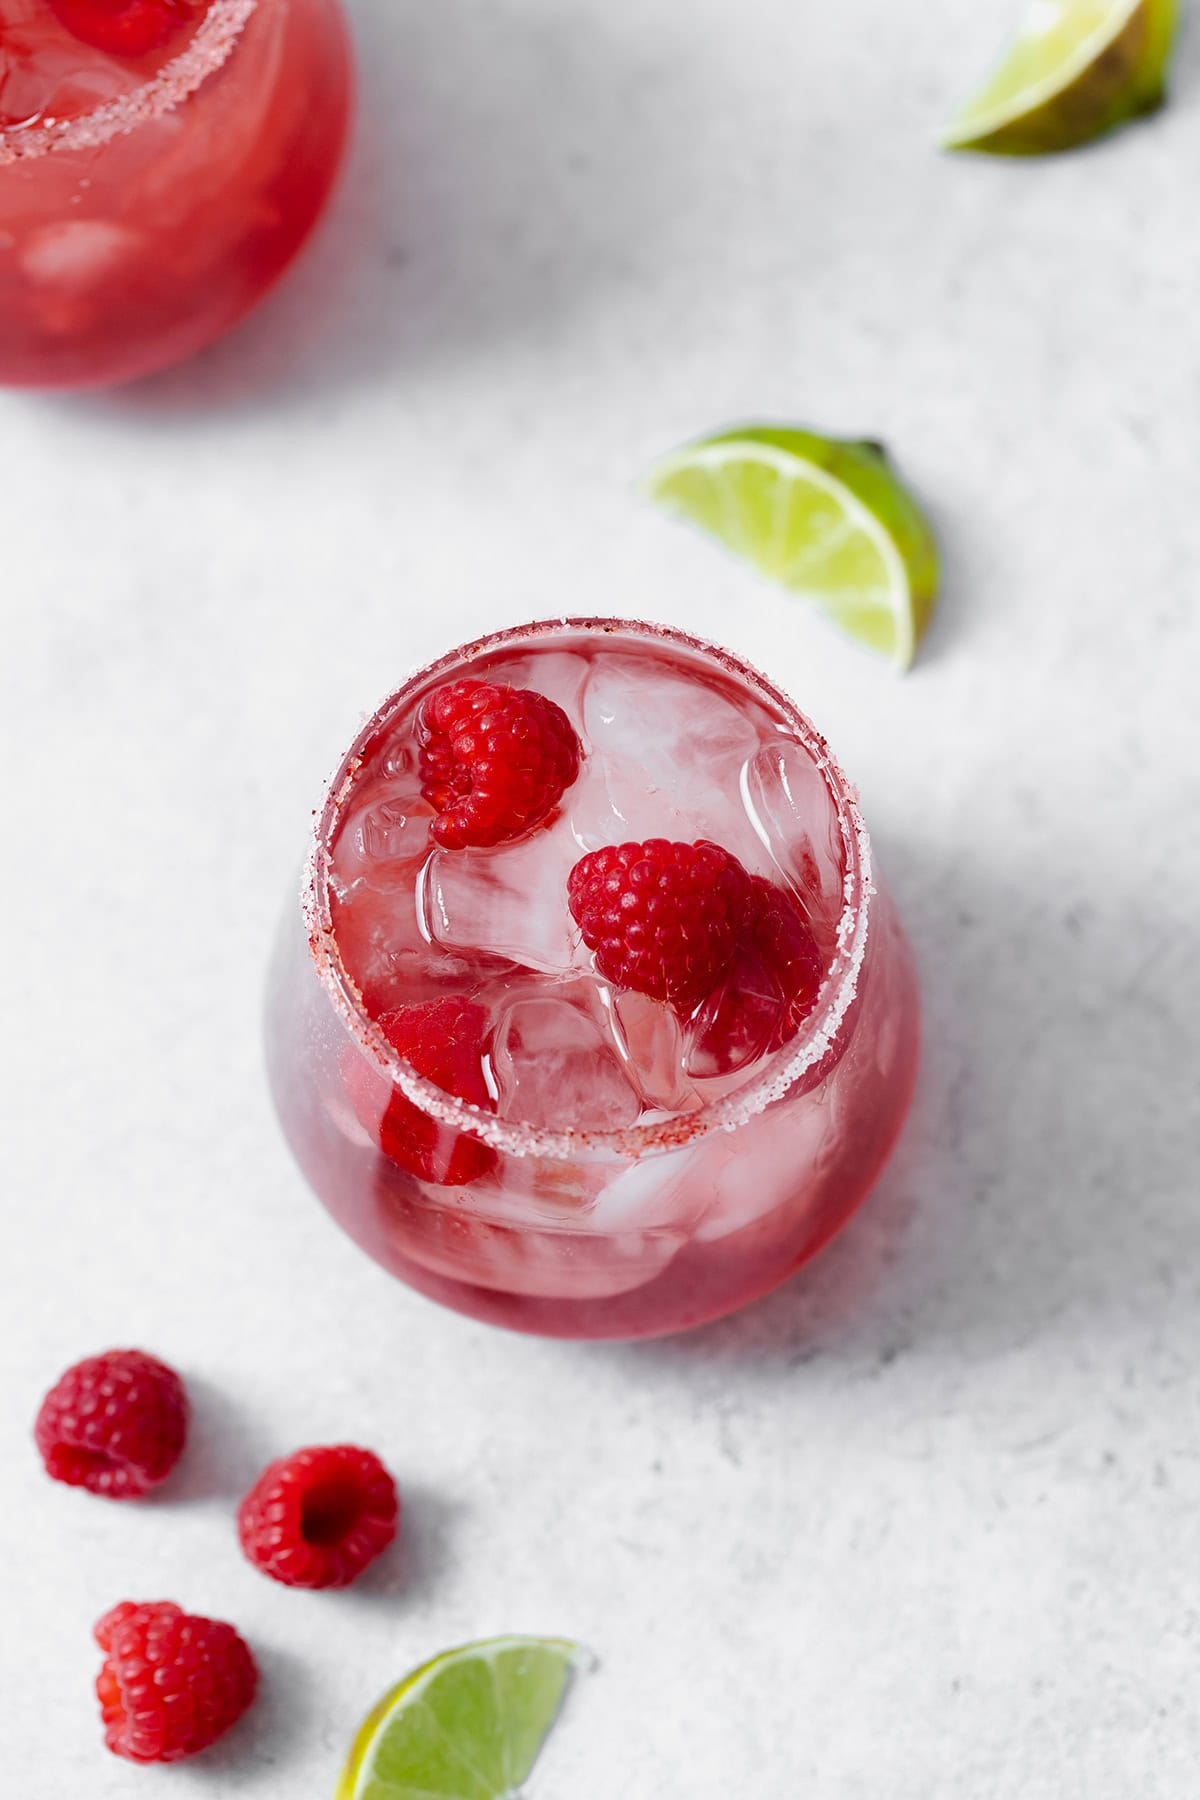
572	1120
161	162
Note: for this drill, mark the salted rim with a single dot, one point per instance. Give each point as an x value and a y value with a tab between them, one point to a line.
727	1113
208	50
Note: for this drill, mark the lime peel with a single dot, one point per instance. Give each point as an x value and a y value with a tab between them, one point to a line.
1075	70
467	1725
824	517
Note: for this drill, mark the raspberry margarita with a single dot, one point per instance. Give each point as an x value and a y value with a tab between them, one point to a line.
161	162
596	1025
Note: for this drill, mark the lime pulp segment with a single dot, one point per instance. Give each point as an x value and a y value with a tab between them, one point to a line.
468	1725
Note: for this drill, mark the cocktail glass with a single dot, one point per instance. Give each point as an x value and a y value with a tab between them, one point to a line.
148	200
669	1218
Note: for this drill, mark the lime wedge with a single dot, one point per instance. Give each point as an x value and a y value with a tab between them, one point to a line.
466	1726
1076	69
825	517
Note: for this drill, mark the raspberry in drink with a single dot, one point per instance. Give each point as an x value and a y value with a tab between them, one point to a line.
598	1024
161	162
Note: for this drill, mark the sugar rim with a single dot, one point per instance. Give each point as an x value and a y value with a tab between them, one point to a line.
729	1112
206	53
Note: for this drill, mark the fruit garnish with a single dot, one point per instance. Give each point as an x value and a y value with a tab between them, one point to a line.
495	761
1075	70
318	1518
114	1424
125	27
769	989
661	918
469	1725
688	925
824	517
778	932
171	1683
445	1041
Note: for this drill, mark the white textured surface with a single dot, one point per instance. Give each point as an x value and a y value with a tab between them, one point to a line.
926	1525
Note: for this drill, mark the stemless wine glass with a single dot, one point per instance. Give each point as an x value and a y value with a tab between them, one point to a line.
568	1230
152	191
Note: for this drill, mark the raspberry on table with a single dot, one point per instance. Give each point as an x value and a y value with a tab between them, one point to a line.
171	1683
444	1040
125	27
661	918
495	761
318	1518
114	1424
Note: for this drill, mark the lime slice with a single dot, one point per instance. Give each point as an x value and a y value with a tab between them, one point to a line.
1076	69
825	517
466	1726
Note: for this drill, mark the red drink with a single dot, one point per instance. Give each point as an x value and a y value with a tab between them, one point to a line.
161	162
621	1165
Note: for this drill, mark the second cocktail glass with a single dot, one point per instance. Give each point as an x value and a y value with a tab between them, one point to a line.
161	162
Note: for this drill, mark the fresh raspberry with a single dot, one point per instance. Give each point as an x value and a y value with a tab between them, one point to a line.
316	1519
777	931
662	918
769	988
495	761
443	1040
114	1424
171	1684
125	27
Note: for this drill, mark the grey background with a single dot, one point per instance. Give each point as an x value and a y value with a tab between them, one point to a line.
927	1524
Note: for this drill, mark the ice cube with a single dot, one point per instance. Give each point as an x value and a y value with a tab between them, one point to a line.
511	901
743	1174
737	1024
649	1039
664	1190
385	839
556	1069
78	254
791	810
531	1233
377	936
558	674
665	755
390	962
401	761
612	803
463	1245
45	73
